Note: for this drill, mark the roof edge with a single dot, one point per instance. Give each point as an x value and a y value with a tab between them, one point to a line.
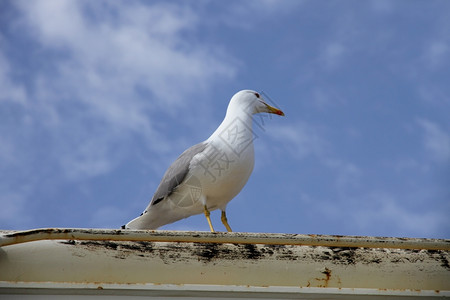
12	237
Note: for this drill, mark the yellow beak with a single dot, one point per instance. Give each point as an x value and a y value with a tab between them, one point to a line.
273	110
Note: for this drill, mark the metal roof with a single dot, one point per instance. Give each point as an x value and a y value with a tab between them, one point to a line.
230	265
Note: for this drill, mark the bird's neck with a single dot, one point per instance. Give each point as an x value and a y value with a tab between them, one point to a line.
236	122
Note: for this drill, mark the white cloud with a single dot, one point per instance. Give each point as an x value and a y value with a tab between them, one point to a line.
436	141
268	6
348	175
437	53
7	155
247	14
382	6
299	139
325	97
342	41
10	91
433	93
436	45
117	65
92	157
387	212
135	45
333	54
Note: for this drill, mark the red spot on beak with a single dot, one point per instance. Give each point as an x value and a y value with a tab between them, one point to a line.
280	113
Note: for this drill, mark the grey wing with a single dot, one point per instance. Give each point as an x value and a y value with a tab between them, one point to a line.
176	173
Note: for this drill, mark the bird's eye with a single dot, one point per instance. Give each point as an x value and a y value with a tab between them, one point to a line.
257	95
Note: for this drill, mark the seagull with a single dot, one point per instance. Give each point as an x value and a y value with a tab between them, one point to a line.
208	175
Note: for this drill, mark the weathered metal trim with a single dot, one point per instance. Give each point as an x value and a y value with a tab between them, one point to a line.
204	264
16	237
192	290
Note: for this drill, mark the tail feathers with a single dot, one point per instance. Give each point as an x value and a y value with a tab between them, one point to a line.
144	221
160	215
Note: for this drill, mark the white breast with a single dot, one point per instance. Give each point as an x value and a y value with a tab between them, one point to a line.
224	167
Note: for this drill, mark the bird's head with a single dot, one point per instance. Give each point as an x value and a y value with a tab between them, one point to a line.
252	102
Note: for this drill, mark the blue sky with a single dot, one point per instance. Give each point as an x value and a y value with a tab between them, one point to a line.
97	98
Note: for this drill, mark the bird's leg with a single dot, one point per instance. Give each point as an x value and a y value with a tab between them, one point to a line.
225	221
207	213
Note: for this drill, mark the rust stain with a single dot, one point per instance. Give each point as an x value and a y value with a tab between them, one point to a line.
327	278
322	281
327	273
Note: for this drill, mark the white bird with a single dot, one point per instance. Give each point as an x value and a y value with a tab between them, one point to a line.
208	175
